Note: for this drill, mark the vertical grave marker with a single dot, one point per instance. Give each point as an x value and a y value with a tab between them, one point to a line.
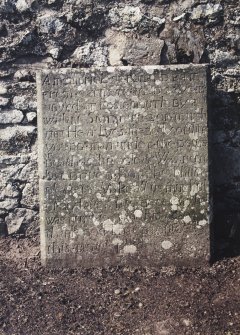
123	163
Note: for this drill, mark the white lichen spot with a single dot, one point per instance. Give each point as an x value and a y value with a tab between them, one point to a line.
202	211
129	249
110	69
149	69
138	213
124	218
194	190
193	136
108	225
186	204
75	195
122	179
177	172
202	222
117	241
187	219
174	200
95	222
100	197
65	176
186	322
174	208
130	208
166	245
101	169
80	232
117	228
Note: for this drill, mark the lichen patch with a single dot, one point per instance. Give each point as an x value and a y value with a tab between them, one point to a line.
130	249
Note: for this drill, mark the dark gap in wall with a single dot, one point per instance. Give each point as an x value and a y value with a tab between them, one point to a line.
224	188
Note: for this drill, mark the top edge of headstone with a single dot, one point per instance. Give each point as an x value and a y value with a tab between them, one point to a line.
124	68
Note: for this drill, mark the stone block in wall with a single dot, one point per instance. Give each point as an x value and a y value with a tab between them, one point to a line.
19	220
11	116
128	49
91	53
143	51
30	196
16	139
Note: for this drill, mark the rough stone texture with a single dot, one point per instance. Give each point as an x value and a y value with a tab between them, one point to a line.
12	116
20	219
192	31
123	163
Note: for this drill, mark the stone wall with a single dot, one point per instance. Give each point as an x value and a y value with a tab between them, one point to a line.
84	33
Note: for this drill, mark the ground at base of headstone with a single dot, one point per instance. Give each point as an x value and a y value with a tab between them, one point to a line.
117	300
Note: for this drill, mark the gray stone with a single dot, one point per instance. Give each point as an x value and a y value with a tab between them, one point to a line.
23	5
127	17
31	116
123	165
30	196
3	101
143	51
19	220
13	160
207	11
116	42
29	171
23	75
91	54
24	103
50	24
8	203
132	50
16	139
131	18
55	52
3	89
11	116
9	191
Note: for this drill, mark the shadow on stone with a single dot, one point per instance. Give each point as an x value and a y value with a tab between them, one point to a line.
224	174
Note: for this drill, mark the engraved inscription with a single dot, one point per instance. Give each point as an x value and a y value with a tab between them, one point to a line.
123	164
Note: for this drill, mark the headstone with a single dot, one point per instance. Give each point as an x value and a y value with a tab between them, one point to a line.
123	163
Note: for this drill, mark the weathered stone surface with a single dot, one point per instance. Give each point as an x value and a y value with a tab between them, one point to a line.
143	50
127	17
91	54
207	11
50	24
19	220
31	116
123	165
30	196
24	103
11	116
16	139
3	101
127	49
8	203
3	89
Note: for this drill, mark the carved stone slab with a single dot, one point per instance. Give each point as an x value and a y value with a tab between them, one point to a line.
123	163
